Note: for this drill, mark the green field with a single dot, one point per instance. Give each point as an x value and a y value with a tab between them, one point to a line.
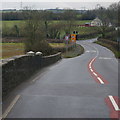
22	22
12	23
12	49
54	45
9	30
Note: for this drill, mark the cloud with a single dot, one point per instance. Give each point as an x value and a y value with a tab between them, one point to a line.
60	0
51	5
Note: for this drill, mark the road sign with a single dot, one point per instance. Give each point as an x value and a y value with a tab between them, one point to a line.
67	38
73	38
75	32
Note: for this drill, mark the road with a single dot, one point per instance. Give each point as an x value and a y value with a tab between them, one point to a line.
82	87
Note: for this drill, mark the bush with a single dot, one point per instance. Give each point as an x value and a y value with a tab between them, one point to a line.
109	42
111	36
39	45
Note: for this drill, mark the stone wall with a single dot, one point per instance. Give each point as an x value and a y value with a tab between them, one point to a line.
20	68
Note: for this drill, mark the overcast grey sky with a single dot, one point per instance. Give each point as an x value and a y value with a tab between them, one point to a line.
48	4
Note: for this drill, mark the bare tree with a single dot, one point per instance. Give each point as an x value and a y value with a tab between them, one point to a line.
69	16
35	33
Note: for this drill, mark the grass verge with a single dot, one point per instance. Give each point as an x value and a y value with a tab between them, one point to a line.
78	50
117	53
11	49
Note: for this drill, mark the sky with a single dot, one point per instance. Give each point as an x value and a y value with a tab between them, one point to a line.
51	4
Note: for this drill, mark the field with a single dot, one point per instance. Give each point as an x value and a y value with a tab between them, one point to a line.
13	49
57	45
9	30
10	24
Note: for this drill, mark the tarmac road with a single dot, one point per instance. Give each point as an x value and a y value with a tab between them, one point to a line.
82	87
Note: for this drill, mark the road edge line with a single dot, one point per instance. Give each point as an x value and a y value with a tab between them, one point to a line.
11	106
114	103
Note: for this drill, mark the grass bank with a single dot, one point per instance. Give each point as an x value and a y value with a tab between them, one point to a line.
109	46
76	51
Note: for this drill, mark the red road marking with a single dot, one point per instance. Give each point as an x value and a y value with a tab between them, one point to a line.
113	113
98	78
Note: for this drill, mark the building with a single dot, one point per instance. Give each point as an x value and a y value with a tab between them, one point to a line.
96	22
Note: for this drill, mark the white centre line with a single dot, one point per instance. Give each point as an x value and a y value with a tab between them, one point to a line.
91	70
100	80
90	66
94	73
114	103
10	106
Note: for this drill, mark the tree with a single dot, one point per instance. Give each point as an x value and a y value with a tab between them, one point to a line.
69	16
35	33
55	30
17	30
109	16
101	13
45	17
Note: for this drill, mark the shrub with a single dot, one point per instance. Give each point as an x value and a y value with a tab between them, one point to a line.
39	45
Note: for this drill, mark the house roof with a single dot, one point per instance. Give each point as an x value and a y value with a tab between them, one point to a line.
97	20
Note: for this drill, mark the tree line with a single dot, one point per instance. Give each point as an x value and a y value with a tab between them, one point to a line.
20	15
109	14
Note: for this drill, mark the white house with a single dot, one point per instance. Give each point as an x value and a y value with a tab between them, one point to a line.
96	22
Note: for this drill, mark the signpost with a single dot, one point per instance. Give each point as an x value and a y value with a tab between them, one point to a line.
67	39
73	38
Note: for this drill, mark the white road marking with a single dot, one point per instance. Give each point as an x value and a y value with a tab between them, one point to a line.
95	74
90	64
37	78
10	106
91	51
92	60
91	70
105	58
114	103
100	80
